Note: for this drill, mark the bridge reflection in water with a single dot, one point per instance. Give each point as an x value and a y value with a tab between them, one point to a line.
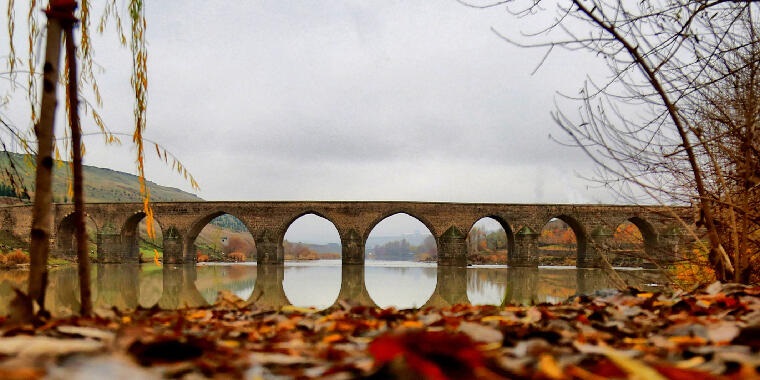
128	286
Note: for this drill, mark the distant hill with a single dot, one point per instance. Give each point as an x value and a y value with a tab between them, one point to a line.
413	239
100	185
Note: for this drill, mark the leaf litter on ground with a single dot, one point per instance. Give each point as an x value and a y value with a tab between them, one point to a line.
710	333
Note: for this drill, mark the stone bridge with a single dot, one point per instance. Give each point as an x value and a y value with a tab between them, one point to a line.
181	222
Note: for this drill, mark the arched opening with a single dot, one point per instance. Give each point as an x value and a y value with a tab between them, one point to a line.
401	253
220	237
634	243
311	237
401	237
561	242
311	246
626	246
489	242
142	245
66	243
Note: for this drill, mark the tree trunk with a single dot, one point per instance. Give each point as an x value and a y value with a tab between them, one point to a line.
76	146
43	195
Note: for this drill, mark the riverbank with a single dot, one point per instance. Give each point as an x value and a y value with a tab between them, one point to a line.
709	333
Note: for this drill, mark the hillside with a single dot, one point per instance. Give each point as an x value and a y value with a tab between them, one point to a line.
101	185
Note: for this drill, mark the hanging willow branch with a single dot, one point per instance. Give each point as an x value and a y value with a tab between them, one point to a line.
140	88
136	40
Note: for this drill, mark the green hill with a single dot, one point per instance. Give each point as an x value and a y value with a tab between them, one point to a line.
100	185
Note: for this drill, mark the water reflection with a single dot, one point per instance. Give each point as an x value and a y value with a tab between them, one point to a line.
315	284
353	288
318	284
237	279
401	287
450	287
522	286
179	288
117	285
268	291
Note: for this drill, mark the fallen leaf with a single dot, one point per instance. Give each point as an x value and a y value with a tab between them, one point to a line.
481	333
636	370
87	332
35	346
548	367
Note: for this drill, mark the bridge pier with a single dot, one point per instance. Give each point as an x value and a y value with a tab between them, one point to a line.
269	249
352	248
592	258
526	249
452	248
173	247
669	245
111	249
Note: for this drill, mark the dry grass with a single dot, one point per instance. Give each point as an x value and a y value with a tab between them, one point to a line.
236	256
16	257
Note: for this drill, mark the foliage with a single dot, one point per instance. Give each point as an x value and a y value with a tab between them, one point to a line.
298	251
229	222
727	120
650	125
695	270
240	244
557	232
480	240
15	257
236	257
628	234
403	250
7	191
103	185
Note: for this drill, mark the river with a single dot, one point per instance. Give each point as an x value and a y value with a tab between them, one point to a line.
318	284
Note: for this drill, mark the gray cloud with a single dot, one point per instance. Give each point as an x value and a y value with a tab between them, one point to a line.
369	100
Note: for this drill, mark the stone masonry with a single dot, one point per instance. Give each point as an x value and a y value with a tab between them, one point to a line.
181	222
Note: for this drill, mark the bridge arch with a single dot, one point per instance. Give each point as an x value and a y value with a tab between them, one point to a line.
388	214
300	215
65	239
130	235
578	229
299	286
506	226
427	249
636	255
197	226
648	233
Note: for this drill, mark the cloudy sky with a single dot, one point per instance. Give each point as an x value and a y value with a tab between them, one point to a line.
382	100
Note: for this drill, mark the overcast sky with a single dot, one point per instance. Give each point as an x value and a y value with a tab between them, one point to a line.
382	100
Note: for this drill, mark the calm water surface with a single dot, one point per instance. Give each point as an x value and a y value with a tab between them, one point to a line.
318	284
